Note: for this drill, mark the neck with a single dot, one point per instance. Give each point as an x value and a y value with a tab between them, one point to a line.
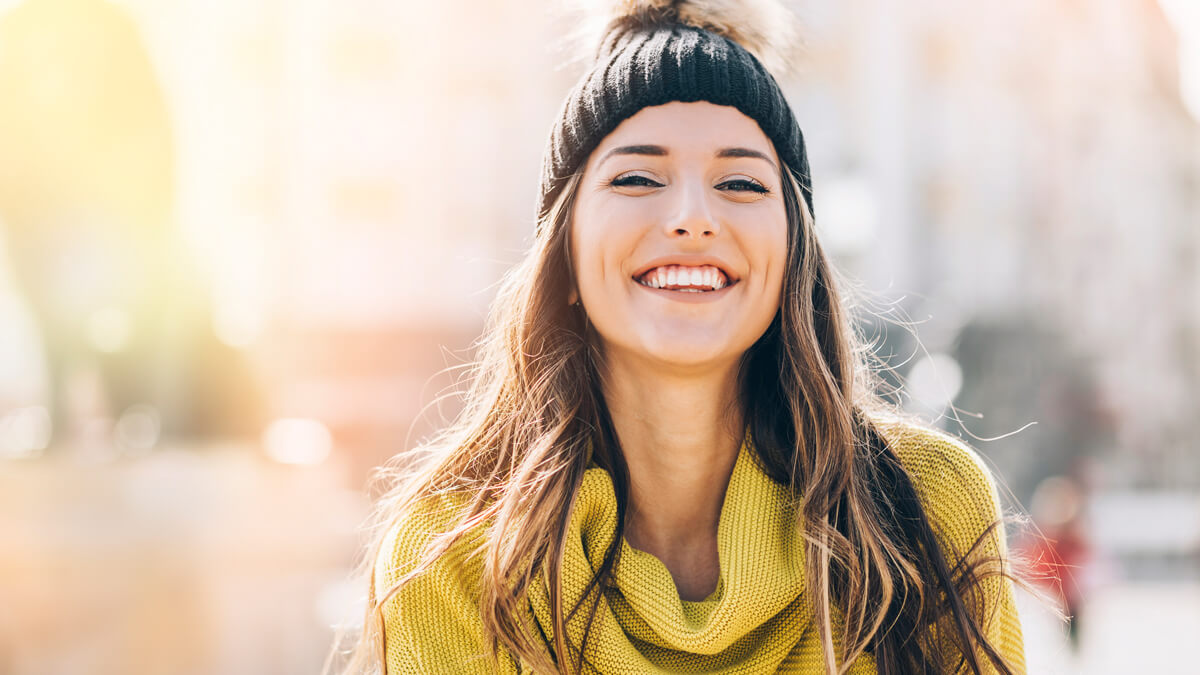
680	435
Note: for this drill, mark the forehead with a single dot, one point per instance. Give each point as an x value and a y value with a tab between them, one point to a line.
694	126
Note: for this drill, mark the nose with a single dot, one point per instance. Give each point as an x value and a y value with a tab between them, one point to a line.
692	217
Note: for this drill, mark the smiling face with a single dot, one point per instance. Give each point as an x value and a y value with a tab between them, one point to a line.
679	235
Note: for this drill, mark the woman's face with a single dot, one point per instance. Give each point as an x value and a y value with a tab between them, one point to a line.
679	235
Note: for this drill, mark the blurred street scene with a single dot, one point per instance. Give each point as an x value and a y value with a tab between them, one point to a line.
246	246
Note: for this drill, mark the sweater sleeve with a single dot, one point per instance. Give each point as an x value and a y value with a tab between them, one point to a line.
961	501
432	624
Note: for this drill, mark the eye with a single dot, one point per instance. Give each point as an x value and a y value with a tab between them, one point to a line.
634	180
743	185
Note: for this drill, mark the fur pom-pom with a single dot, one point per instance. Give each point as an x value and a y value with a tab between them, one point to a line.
766	28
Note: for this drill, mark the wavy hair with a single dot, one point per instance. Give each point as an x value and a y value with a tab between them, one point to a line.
534	418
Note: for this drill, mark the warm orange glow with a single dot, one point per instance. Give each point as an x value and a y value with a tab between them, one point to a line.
245	244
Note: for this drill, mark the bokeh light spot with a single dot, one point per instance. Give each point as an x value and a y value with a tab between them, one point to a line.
935	380
298	441
138	428
24	432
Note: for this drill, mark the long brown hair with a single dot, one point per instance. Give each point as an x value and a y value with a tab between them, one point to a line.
881	578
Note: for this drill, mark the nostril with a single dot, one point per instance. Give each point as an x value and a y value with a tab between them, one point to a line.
684	232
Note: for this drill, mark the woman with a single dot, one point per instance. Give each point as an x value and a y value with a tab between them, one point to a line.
672	457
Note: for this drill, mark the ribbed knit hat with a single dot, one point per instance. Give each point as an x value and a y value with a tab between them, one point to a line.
658	51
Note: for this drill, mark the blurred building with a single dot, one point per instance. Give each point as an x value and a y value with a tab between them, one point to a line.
1026	175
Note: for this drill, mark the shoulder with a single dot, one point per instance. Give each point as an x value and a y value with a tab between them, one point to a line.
955	486
941	462
431	618
412	531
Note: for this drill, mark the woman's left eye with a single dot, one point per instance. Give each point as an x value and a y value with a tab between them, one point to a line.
742	185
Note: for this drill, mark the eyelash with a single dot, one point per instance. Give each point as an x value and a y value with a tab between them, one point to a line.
750	185
632	181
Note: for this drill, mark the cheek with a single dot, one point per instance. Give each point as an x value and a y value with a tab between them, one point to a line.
769	242
601	239
586	254
779	255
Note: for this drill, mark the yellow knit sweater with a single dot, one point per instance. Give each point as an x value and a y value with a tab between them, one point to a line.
757	621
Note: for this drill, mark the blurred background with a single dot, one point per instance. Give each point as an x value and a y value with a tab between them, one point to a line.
241	243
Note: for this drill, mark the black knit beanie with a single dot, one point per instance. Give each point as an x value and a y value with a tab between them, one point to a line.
649	57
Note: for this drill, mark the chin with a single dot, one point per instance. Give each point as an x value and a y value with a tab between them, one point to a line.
688	352
676	344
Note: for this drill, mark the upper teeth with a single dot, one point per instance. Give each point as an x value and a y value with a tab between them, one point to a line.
695	279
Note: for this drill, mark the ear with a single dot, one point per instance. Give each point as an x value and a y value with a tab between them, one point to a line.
572	297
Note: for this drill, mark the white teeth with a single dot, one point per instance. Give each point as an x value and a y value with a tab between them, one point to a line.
707	276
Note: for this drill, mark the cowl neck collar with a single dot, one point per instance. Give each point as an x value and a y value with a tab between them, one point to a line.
749	624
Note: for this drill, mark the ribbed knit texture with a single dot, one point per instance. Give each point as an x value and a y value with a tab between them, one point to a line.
759	619
642	67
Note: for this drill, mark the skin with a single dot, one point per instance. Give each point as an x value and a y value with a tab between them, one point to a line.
670	359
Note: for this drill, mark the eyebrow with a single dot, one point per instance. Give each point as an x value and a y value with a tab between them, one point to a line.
744	152
660	151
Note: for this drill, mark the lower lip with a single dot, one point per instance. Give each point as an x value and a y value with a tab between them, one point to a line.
688	296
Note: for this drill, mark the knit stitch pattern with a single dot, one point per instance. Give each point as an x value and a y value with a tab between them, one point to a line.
758	620
641	68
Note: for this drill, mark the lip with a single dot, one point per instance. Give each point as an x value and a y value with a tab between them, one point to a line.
693	261
683	296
